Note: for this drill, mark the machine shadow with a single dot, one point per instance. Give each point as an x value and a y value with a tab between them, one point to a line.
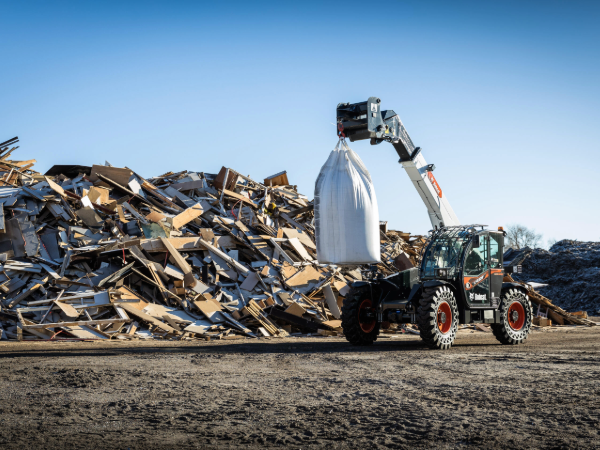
253	347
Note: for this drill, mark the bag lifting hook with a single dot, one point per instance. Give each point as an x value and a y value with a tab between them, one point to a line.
340	127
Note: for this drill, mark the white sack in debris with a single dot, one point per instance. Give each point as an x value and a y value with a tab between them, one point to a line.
346	213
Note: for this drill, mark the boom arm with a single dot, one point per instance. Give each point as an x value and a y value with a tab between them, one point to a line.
366	120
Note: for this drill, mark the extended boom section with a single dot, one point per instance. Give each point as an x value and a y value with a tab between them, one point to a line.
366	120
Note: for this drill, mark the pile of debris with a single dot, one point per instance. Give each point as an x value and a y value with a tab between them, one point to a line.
102	253
570	270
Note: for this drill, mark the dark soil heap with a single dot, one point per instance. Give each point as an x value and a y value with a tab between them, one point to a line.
572	271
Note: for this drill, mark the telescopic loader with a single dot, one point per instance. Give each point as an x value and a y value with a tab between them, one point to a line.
461	276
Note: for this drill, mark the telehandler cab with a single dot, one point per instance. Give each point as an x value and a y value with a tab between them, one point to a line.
461	276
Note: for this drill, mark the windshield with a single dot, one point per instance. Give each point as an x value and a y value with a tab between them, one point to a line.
444	252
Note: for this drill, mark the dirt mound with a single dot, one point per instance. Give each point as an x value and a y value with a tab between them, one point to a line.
572	271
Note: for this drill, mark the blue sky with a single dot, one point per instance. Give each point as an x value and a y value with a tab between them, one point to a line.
503	97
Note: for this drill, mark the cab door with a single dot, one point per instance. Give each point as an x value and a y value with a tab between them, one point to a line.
496	266
476	271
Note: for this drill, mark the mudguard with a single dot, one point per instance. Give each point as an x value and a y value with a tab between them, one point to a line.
507	285
434	283
365	285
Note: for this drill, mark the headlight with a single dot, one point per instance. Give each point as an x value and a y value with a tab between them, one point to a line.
441	273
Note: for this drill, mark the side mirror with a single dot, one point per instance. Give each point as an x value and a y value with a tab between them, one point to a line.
476	242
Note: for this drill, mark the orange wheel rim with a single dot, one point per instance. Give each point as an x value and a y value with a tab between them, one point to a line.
366	324
444	317
516	316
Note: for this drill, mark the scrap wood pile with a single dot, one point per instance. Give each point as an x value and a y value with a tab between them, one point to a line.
400	251
102	253
568	273
547	309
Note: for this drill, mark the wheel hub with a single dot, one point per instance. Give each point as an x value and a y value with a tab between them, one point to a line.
516	315
444	317
366	316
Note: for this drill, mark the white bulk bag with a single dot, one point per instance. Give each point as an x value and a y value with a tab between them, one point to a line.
346	213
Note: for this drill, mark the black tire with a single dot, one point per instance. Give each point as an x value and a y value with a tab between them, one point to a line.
513	329
437	329
358	329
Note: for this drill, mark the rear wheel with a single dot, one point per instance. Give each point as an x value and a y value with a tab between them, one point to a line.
516	316
438	317
359	318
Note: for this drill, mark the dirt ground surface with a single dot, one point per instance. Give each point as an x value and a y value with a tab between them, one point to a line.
304	393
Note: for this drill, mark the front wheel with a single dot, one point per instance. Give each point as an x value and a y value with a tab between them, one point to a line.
516	317
359	318
438	317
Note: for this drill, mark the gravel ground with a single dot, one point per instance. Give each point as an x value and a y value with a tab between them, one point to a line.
303	393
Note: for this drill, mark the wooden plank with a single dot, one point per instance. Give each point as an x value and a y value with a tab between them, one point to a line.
188	185
308	275
295	320
183	243
303	237
72	324
240	197
2	225
172	322
333	323
279	179
122	188
33	193
187	216
226	257
31	241
555	317
23	295
98	194
69	311
295	243
83	332
255	311
158	283
295	309
117	174
23	163
121	214
238	325
188	276
342	287
182	197
55	187
58	211
292	221
134	213
250	282
116	275
332	301
282	251
153	190
211	310
50	271
155	216
39	333
147	318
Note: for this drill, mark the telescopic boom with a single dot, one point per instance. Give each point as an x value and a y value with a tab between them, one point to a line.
366	120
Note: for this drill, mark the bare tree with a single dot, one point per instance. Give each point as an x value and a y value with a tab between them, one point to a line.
519	236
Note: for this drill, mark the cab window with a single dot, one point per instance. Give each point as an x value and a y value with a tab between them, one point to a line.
477	259
495	255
